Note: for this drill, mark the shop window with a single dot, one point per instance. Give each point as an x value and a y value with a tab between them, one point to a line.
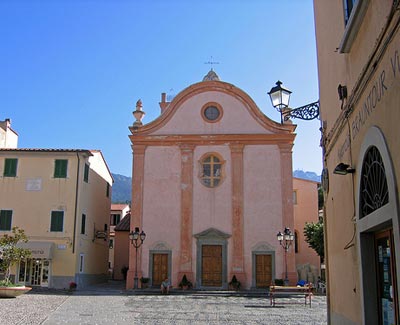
374	191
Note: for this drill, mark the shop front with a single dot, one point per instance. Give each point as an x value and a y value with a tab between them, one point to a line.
36	270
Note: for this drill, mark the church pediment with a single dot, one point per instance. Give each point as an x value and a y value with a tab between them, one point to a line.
212	233
263	247
188	114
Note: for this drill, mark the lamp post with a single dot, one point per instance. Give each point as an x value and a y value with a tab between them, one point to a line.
137	240
285	240
280	97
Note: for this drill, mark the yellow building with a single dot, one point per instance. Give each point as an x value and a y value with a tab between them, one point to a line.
62	199
358	45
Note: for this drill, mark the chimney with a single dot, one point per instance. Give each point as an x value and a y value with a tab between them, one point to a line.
163	104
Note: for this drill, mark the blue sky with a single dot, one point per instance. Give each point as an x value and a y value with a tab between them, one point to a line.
71	71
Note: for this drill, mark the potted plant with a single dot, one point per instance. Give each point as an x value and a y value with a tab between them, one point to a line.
72	286
185	283
10	254
144	282
235	283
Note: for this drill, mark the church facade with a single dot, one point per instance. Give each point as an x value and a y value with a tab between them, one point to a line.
212	186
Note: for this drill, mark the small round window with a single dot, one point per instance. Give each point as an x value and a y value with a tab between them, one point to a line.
212	112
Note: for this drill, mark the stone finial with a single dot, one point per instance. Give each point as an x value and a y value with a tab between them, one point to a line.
138	114
139	105
211	76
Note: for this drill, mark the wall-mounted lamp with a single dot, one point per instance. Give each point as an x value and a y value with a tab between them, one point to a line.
280	100
343	169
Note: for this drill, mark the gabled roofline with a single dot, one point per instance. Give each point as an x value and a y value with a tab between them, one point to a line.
221	86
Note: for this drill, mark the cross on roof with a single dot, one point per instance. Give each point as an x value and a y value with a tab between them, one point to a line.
211	62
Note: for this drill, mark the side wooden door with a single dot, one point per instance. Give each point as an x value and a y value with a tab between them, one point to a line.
160	269
211	275
263	271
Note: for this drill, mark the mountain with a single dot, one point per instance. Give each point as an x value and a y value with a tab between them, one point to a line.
307	175
122	189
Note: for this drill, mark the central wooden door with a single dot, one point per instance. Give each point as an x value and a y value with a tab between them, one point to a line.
263	271
211	261
160	268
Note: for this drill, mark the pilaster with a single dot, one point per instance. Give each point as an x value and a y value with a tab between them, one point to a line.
237	213
137	210
185	258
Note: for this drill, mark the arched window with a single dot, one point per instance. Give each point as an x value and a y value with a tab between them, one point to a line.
211	170
373	187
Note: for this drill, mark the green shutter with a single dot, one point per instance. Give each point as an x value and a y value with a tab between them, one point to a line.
5	219
83	224
60	168
10	167
57	220
86	173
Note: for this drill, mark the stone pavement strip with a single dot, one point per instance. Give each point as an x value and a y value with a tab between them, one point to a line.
81	308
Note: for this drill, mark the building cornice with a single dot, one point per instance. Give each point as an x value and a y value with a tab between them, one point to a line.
213	139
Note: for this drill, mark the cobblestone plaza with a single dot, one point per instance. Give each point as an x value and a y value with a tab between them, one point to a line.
98	306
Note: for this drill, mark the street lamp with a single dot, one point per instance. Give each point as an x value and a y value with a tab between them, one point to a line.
280	100
285	240
137	240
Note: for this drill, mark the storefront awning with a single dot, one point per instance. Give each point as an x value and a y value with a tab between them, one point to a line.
39	249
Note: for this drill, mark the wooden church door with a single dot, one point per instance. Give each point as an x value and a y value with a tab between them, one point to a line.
211	266
263	271
160	268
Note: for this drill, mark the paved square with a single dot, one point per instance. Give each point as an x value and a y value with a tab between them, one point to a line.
196	308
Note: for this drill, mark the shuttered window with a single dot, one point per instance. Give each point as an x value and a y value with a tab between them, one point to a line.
86	173
83	224
5	219
57	221
10	167
60	168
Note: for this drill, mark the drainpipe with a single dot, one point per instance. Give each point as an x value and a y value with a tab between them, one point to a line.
76	204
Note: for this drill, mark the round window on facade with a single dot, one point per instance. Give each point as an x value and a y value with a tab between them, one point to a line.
212	112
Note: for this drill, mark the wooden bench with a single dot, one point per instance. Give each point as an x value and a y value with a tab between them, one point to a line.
287	291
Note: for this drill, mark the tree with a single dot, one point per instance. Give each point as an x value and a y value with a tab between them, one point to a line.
320	198
10	253
314	233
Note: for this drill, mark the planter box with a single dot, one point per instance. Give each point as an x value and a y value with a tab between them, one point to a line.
12	292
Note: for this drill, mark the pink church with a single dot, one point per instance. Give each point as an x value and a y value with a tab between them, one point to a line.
212	186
